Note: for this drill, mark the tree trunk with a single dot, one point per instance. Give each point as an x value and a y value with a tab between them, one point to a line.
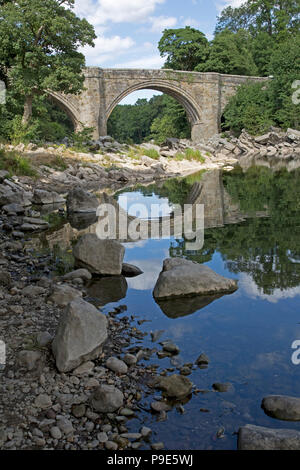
27	110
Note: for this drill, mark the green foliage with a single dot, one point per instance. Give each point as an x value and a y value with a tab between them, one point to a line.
190	154
158	118
18	132
16	165
39	44
256	107
249	109
151	153
82	139
285	67
230	53
263	247
183	48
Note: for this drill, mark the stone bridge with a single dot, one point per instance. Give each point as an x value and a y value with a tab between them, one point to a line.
203	96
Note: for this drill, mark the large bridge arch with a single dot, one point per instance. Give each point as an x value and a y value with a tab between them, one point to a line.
192	108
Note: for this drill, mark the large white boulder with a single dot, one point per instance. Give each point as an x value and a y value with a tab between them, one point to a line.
181	277
104	257
81	332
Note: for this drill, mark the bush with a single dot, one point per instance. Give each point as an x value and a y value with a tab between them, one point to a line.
82	139
249	109
16	165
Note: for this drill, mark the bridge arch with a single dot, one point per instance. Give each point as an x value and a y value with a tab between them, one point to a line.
187	101
64	102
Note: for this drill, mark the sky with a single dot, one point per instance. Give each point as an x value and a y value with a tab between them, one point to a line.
128	31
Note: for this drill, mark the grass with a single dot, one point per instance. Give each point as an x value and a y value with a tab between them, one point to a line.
190	154
151	153
137	152
16	165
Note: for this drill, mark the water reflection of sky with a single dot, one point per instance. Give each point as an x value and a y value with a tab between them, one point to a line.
131	200
247	336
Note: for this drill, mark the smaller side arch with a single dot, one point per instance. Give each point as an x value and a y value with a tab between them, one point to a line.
64	103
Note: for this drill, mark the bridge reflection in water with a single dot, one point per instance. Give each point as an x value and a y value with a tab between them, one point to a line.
219	210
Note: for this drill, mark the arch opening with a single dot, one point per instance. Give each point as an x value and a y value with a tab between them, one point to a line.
172	114
180	95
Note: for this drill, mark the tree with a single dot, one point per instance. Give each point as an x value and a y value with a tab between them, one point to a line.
275	17
234	19
285	68
184	48
229	53
249	109
39	44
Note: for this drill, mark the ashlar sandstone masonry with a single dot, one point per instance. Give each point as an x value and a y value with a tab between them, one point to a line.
203	96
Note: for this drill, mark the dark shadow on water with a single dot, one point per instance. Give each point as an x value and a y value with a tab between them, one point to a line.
108	289
82	221
181	307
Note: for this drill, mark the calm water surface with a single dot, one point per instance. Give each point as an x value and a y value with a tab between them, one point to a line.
247	335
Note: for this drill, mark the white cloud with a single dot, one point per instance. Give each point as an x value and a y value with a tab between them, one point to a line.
160	23
151	62
105	48
191	22
99	12
221	4
248	285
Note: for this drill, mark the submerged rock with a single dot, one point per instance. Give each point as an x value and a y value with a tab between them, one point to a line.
282	407
252	437
104	257
181	277
174	386
81	332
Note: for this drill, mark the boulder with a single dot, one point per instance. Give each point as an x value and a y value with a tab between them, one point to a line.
104	257
81	332
107	399
183	278
116	365
282	407
79	200
129	270
42	197
174	386
252	437
64	294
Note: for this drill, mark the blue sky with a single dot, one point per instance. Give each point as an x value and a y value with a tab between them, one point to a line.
129	30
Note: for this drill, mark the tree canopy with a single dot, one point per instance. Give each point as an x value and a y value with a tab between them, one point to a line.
39	44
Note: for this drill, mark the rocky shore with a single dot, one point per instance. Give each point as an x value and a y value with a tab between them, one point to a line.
78	381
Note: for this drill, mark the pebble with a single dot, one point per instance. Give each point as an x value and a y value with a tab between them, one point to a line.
55	432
